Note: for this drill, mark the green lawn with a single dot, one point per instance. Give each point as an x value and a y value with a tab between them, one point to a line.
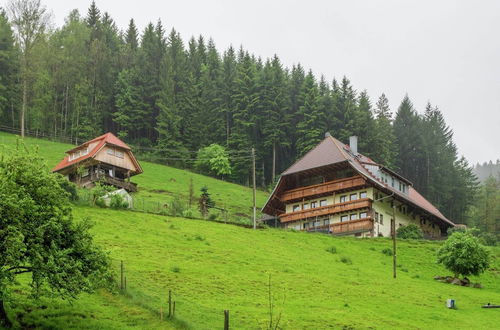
211	267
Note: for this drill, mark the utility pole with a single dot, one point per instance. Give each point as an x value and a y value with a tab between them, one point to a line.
393	225
254	190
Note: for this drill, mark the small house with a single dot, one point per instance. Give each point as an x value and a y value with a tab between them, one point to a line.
104	159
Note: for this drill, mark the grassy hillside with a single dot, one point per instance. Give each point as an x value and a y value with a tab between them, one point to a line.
211	267
158	184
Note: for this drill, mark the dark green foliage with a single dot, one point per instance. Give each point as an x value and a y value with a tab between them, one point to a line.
205	203
463	255
173	98
411	231
346	260
39	236
69	187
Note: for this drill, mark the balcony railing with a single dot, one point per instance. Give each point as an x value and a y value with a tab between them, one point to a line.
119	183
326	210
346	227
322	188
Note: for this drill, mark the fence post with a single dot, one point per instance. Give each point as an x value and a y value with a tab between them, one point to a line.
226	319
173	309
121	275
169	303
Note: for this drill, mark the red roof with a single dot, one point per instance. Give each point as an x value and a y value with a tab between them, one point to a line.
331	151
108	138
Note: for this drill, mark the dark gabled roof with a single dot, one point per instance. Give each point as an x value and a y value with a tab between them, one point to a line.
332	151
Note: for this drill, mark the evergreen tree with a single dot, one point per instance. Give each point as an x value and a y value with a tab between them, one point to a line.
311	128
384	149
9	68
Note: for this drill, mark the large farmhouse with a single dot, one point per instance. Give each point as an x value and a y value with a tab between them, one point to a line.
335	189
106	159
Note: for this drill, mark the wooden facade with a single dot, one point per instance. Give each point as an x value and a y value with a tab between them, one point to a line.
105	159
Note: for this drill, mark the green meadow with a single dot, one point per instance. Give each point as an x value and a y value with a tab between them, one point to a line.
317	281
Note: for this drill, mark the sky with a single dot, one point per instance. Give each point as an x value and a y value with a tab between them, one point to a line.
443	52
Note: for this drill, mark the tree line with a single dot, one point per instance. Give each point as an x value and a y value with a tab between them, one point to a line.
170	98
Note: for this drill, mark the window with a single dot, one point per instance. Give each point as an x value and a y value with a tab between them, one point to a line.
326	222
354	216
381	219
84	151
85	172
306	206
343	199
344	218
376	216
362	215
314	204
322	202
354	197
317	223
362	194
296	208
306	225
392	181
119	154
110	151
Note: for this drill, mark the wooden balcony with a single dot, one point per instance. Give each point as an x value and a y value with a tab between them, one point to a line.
326	210
322	189
346	227
89	181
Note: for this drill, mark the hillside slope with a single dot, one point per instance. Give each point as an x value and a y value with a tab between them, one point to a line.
159	183
211	267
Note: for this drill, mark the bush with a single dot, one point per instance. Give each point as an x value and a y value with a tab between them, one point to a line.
100	202
411	231
488	239
118	202
188	214
69	187
176	208
387	252
212	216
463	255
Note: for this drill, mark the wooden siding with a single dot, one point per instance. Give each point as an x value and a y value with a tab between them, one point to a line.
327	210
125	162
322	189
346	227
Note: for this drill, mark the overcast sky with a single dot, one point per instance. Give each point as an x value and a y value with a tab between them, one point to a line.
445	52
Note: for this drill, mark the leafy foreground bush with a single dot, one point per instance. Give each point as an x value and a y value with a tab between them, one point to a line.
411	231
463	255
38	235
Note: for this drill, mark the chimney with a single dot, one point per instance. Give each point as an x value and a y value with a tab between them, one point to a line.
353	144
327	134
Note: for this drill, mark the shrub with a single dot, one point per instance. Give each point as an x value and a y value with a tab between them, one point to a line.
387	252
100	202
488	239
332	249
69	187
176	208
212	216
411	231
463	255
188	214
118	202
175	269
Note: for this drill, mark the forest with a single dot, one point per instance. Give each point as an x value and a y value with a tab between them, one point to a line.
168	98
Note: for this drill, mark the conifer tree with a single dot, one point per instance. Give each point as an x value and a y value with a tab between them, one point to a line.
384	149
311	128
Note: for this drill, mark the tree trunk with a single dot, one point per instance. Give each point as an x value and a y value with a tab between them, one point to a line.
4	320
23	107
274	163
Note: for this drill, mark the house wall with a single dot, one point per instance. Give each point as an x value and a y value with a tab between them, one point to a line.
125	162
384	208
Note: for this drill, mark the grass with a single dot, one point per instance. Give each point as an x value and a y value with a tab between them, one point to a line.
211	267
318	281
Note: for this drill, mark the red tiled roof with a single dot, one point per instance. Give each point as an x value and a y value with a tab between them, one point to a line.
108	138
331	151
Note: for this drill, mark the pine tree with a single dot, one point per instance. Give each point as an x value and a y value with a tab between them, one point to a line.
9	71
311	128
384	148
